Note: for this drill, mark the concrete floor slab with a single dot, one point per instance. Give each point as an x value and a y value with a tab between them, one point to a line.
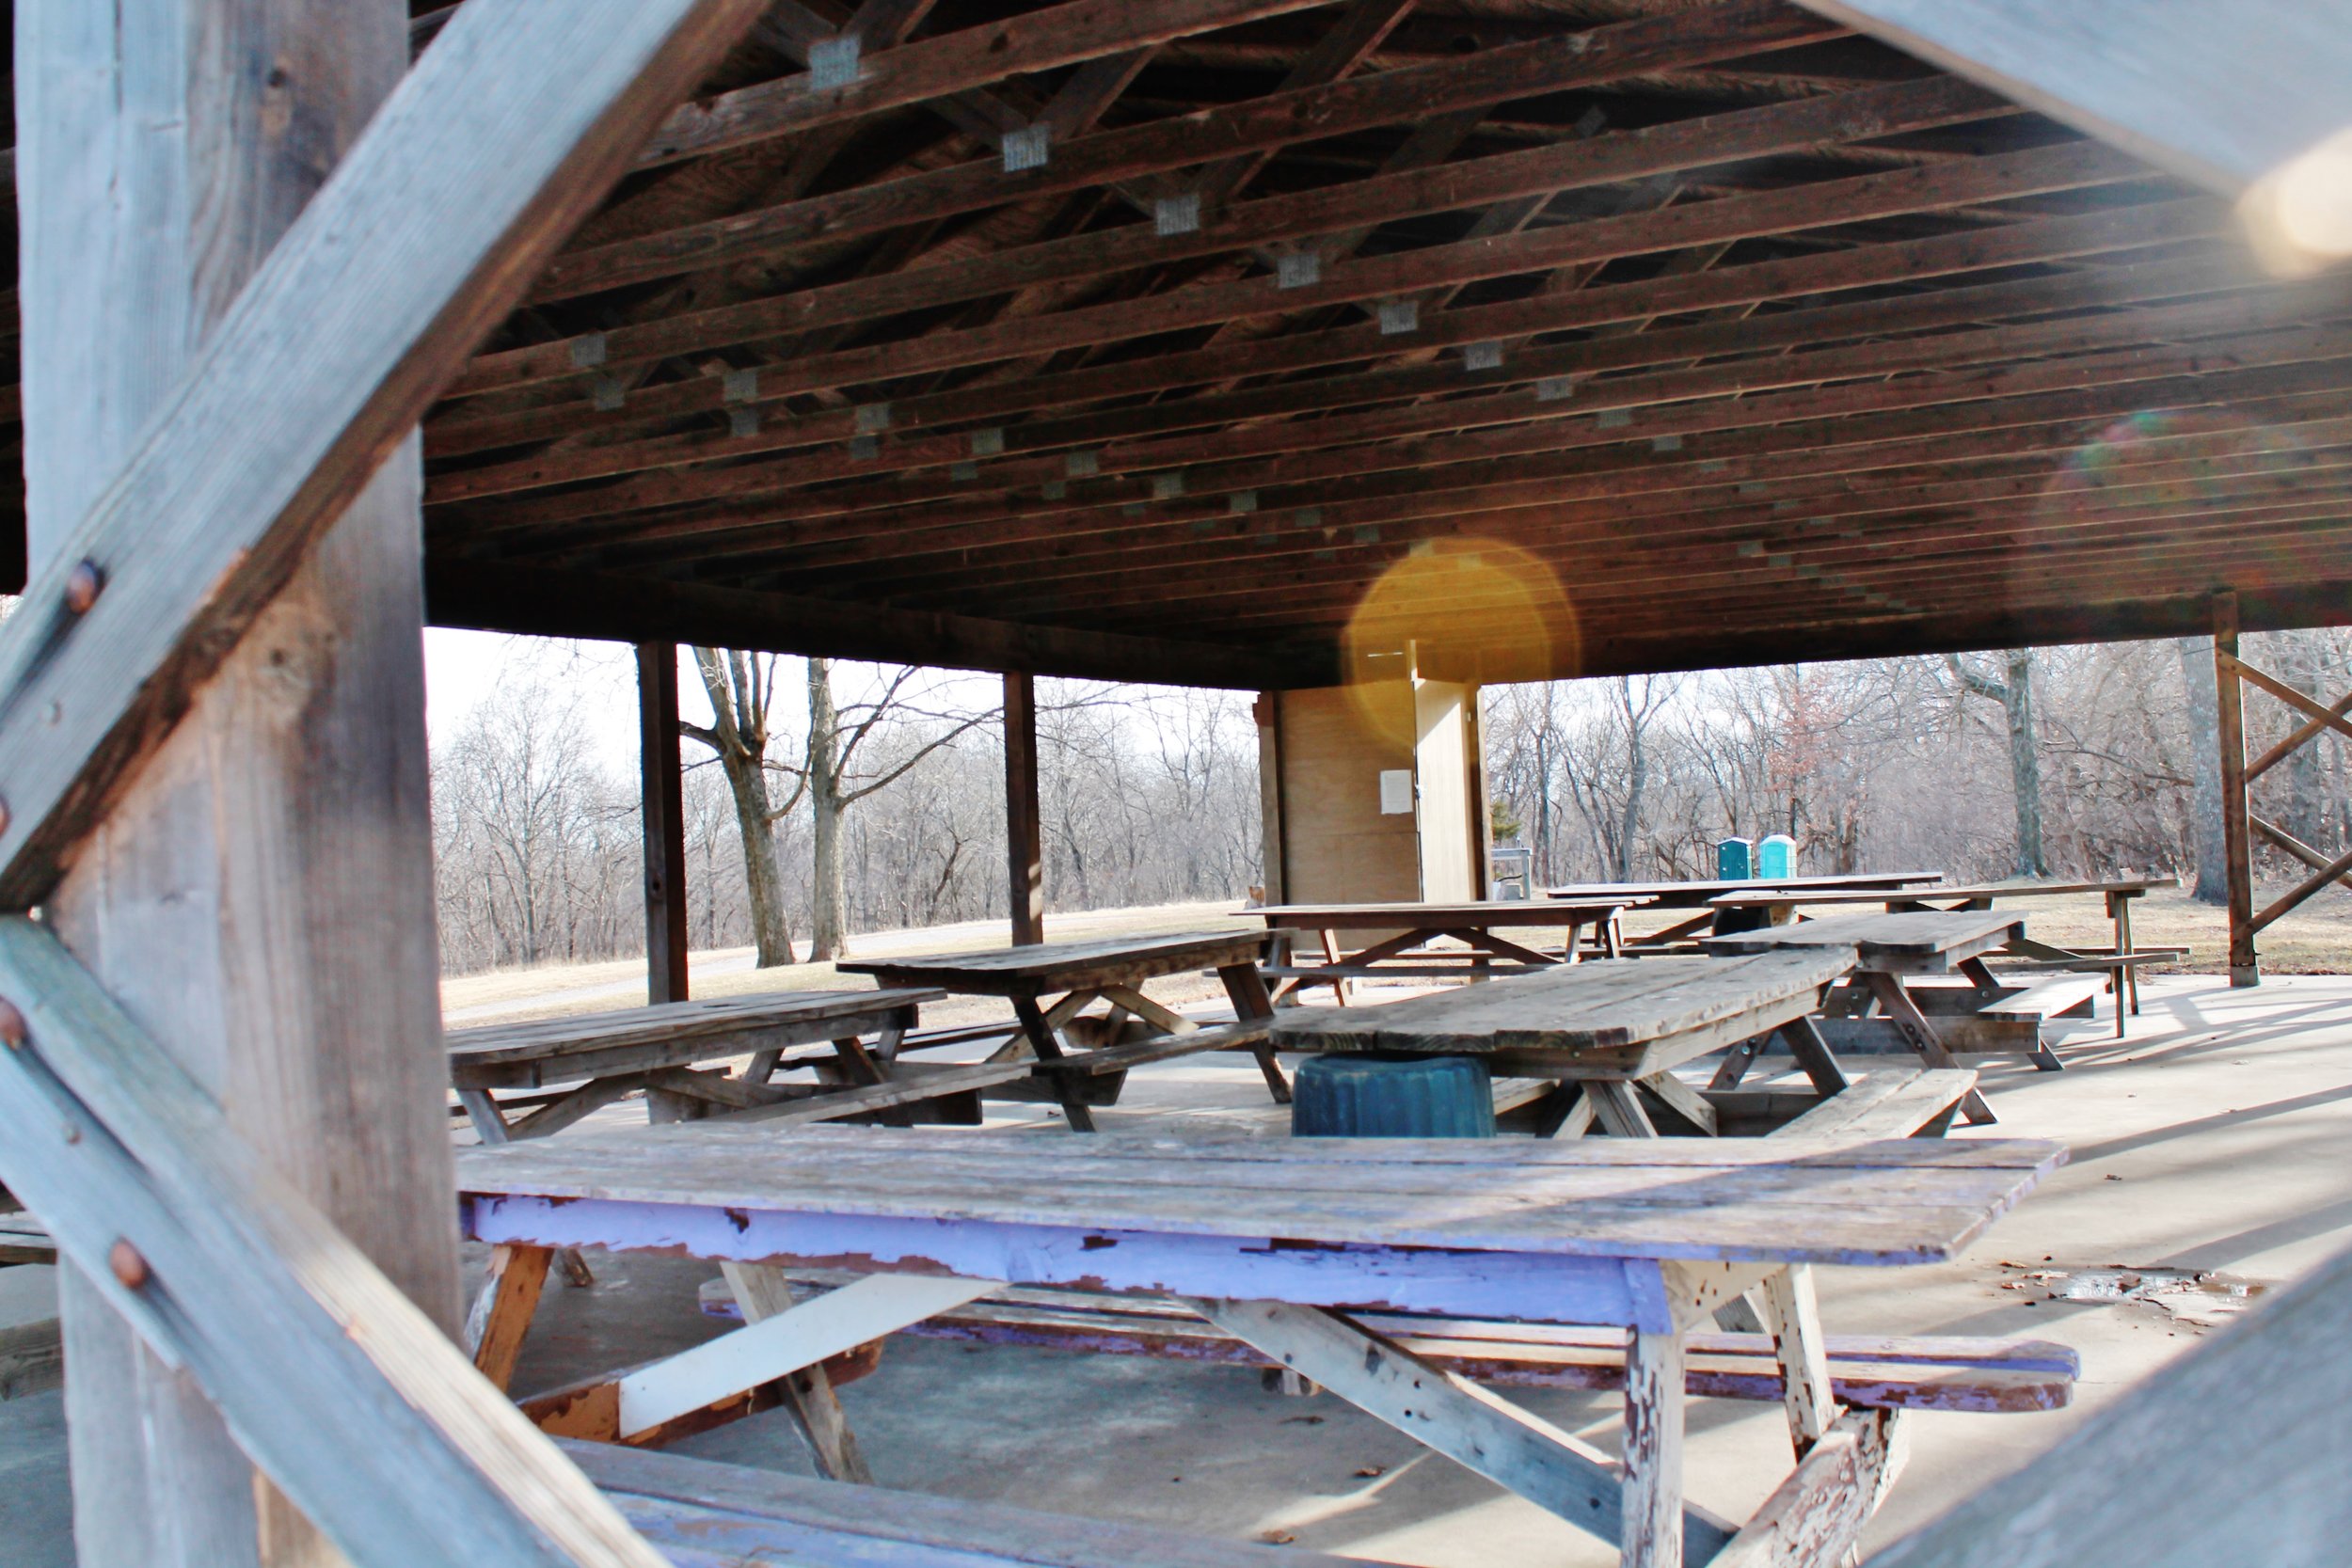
2211	1138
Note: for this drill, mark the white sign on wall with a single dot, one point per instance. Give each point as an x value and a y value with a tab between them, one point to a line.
1396	791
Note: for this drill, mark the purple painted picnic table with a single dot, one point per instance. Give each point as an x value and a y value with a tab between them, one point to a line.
1278	1240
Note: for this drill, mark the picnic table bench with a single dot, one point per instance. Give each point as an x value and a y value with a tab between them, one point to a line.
1049	983
1407	953
1697	896
1603	1028
1888	950
2118	966
1281	1243
604	1057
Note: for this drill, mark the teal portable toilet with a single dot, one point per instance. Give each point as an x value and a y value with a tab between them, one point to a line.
1776	858
1735	861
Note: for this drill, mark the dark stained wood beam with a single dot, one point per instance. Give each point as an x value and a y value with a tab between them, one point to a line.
661	791
1025	847
496	596
1140	572
1913	262
952	62
1367	445
1714	646
2107	287
1221	137
1869	112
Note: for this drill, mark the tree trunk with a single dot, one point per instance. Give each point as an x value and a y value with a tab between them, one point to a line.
2307	790
2025	763
739	733
2204	722
1636	781
827	940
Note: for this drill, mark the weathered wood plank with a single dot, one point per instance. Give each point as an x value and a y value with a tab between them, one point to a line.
1887	1103
1886	1201
226	1271
1595	1006
2222	109
1939	1372
512	126
1933	942
2141	1480
1816	1515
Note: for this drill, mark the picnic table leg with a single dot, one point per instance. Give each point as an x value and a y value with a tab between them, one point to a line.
1796	1329
489	1125
1041	1041
762	1292
1566	1113
1988	984
2127	976
501	1314
1737	1061
1652	1526
1612	936
1246	988
859	1067
1914	1026
1331	955
1618	1108
1813	1054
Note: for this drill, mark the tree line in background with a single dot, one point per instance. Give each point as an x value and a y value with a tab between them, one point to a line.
2072	762
872	798
825	799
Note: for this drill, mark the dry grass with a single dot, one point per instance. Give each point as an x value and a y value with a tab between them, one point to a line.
2315	940
561	990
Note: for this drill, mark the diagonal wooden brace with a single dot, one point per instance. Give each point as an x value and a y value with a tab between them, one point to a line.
799	1336
323	1369
1476	1429
505	134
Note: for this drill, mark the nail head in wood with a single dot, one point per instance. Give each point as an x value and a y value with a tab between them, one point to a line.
128	1264
82	587
12	1026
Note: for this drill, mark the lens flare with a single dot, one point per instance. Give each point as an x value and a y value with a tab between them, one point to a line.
1481	609
2300	216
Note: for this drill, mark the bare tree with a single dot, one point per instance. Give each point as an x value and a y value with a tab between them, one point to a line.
2207	838
827	774
2015	695
741	687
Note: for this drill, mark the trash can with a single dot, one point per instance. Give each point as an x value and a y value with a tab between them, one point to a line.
1377	1096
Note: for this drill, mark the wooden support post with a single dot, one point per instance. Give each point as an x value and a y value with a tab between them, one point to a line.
1025	850
663	793
261	897
2238	841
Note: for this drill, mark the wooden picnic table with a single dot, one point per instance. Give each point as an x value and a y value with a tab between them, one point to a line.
1048	983
1698	894
1278	1242
1777	905
606	1057
1405	954
1889	949
1602	1027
